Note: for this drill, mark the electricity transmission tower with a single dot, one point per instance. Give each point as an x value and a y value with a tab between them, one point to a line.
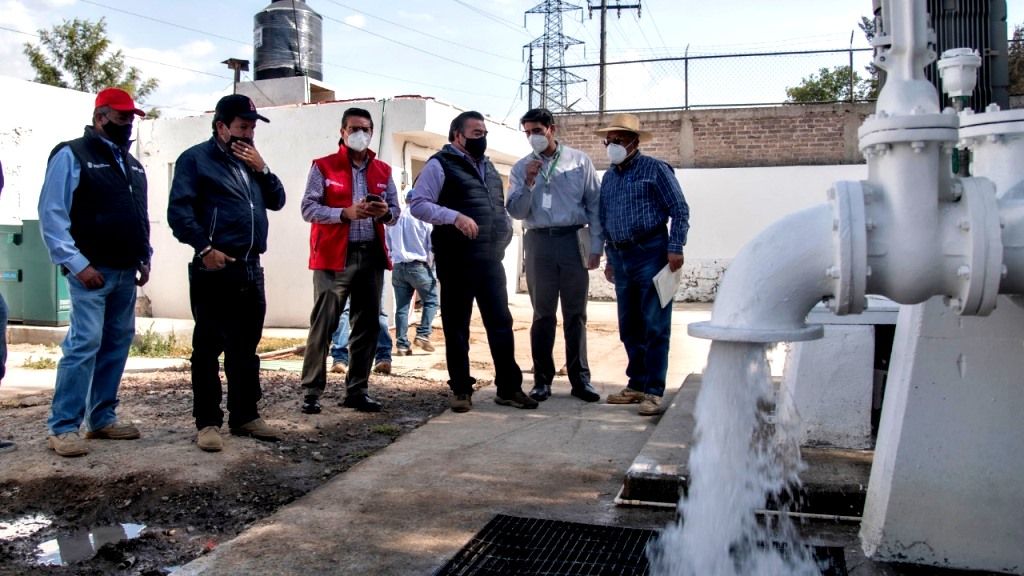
548	79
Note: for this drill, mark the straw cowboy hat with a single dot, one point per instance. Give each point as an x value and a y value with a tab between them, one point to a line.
626	123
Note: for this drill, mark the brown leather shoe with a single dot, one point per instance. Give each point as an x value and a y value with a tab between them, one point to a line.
626	396
115	431
382	367
461	402
651	406
258	429
424	344
209	439
68	444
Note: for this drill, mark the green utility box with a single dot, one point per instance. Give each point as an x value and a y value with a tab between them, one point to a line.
35	290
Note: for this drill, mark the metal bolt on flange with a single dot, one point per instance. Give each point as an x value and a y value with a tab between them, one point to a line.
955	304
963	271
832	272
964	224
870	225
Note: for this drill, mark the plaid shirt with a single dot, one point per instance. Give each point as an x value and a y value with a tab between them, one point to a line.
640	197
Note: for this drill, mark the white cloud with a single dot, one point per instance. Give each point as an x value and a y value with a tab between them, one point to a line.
416	16
357	20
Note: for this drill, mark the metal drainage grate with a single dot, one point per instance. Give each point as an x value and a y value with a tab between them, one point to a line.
509	545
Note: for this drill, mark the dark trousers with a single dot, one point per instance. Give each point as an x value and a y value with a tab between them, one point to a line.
462	282
228	306
644	325
555	273
360	284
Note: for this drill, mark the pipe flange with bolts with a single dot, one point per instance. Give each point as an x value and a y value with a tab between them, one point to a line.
849	270
979	277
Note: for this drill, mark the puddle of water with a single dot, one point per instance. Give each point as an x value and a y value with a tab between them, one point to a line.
83	544
743	455
23	527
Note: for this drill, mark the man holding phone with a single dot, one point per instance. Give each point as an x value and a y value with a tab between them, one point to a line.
220	195
350	196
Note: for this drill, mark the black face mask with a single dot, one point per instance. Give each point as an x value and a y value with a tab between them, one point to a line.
234	139
476	146
119	134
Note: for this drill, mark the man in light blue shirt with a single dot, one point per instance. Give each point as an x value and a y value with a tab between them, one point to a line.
413	258
555	192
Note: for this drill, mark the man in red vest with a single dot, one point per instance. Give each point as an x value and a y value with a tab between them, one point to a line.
349	197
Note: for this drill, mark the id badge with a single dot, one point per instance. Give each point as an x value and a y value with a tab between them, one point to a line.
545	201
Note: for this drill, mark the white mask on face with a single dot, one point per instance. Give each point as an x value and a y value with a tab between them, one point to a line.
358	141
538	142
616	153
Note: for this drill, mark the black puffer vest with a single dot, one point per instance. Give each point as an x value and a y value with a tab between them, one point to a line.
481	200
109	210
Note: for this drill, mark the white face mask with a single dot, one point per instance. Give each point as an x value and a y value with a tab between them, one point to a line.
616	153
538	142
358	141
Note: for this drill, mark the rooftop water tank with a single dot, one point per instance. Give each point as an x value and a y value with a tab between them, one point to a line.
288	41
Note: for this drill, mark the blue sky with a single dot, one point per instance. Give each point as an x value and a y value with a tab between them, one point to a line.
471	53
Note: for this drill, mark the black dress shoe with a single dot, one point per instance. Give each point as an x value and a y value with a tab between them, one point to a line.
586	393
362	403
311	405
540	392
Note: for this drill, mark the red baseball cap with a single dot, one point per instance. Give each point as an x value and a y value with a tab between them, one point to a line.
117	99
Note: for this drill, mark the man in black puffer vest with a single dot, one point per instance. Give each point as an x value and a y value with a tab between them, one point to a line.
94	218
460	193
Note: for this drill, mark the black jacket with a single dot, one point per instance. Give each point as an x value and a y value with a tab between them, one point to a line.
211	205
483	200
110	211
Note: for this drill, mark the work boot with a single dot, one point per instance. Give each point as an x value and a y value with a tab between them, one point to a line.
424	344
651	406
382	367
115	431
209	439
461	402
258	429
403	351
517	400
68	444
338	367
626	396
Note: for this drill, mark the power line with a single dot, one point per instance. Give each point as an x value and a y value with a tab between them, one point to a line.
428	35
377	74
427	52
507	23
152	19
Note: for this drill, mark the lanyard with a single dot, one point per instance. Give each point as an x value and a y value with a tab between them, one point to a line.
553	165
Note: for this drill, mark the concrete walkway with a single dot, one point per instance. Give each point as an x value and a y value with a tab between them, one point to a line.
411	506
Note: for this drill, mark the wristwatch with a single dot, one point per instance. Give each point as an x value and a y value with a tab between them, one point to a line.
266	170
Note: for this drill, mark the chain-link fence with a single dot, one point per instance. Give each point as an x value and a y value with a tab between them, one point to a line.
721	80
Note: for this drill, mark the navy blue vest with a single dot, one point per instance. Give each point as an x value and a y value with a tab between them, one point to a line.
109	209
481	200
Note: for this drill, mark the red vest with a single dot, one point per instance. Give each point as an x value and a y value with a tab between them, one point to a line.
328	243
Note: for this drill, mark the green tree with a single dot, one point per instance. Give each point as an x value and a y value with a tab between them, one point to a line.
829	85
76	54
1016	60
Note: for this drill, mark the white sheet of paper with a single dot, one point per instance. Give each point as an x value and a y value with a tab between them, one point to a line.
667	283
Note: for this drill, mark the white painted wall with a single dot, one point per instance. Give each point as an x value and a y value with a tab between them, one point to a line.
34	119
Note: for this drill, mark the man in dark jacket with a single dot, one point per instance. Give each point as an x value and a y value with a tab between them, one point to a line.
220	195
461	194
94	218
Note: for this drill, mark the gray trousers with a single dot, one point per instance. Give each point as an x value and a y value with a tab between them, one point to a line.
360	283
555	273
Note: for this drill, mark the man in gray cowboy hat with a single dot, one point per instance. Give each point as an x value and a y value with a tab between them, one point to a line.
639	197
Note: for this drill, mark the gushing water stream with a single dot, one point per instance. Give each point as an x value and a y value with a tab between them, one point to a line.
743	456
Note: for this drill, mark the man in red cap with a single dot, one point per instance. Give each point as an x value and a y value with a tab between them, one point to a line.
220	195
93	213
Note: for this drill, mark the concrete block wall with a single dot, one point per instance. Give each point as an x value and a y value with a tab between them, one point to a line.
807	135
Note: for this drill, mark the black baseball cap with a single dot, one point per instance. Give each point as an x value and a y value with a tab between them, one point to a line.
238	106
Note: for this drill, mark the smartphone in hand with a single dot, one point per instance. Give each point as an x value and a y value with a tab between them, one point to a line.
373	198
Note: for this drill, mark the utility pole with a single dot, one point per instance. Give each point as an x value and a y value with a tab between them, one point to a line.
618	7
551	78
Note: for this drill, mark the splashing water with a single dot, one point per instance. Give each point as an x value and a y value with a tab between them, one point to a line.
741	459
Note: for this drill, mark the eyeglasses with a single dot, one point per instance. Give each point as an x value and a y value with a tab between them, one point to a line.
620	141
366	129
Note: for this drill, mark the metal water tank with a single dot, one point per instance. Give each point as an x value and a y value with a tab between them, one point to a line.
288	41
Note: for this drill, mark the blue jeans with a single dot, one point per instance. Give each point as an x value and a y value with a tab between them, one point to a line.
405	278
95	351
644	326
339	342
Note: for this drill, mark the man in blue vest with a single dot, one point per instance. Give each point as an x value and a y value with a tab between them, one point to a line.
460	192
350	196
220	195
94	218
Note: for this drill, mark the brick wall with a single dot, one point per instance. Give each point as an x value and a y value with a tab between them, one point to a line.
736	137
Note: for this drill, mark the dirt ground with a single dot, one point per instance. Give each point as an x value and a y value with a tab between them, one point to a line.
188	500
